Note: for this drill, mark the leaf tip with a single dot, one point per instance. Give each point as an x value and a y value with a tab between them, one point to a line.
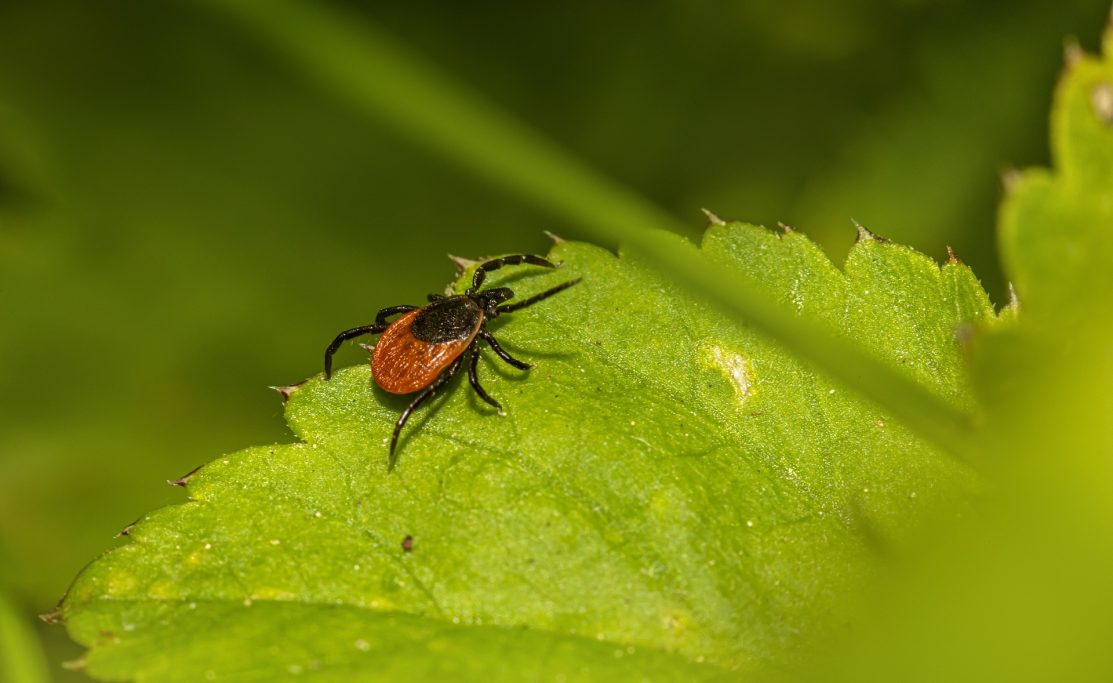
462	263
74	664
555	238
1010	179
126	531
713	218
1101	101
1014	301
867	235
287	391
53	617
1073	53
183	480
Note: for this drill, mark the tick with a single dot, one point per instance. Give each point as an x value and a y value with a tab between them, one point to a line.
423	349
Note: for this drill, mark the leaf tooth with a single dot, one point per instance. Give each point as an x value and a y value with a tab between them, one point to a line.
786	228
288	390
1073	54
951	256
369	348
1101	99
867	235
713	218
183	480
126	531
1010	179
54	616
462	263
74	664
1014	300
556	239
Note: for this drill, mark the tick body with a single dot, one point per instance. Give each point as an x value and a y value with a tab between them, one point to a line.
420	351
420	345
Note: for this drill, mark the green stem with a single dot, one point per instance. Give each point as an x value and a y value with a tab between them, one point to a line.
361	64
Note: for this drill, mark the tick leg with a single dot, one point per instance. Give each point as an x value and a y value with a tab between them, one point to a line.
381	316
495	264
519	305
345	336
474	379
490	339
425	394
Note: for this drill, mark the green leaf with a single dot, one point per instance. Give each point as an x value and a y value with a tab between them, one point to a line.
1056	233
670	496
1057	227
1021	591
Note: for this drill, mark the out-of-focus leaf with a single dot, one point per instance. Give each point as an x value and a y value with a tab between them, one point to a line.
670	496
21	657
1055	225
1021	591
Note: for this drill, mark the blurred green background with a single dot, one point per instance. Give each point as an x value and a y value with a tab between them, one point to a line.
185	220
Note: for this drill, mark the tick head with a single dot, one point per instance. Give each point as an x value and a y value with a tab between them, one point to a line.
489	299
